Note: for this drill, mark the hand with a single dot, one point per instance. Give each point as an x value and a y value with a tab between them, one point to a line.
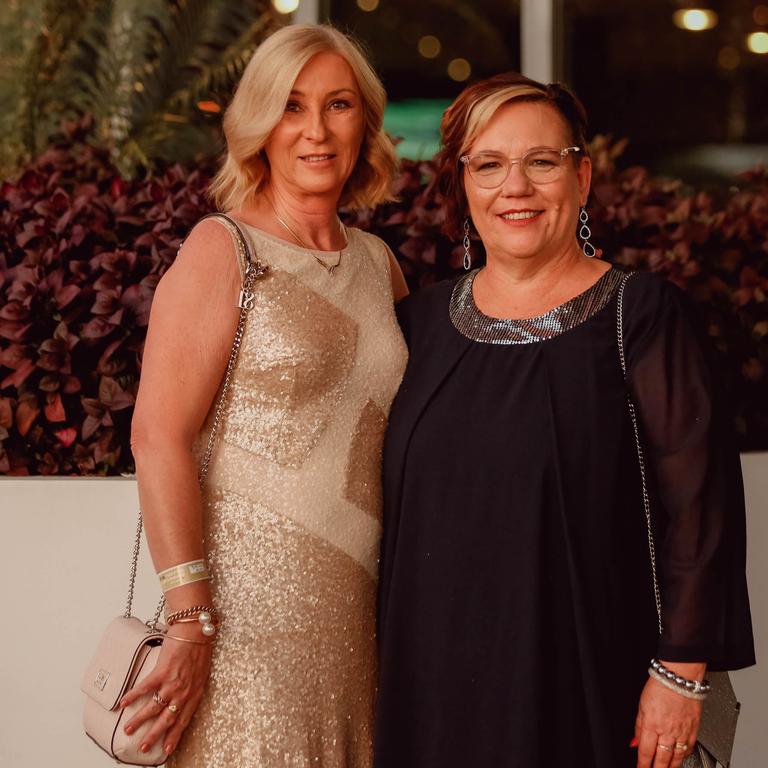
667	719
179	678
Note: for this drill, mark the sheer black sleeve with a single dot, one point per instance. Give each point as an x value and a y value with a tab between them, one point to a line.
695	475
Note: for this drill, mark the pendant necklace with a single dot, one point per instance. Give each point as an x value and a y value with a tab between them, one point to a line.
327	267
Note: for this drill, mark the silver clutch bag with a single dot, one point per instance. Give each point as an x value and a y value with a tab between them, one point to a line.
717	730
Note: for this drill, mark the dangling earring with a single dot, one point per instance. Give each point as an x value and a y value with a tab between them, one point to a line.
467	254
585	233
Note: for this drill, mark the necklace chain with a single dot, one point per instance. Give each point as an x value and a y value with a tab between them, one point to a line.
328	267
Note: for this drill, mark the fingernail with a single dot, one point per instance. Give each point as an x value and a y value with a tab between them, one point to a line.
634	742
129	729
144	747
168	749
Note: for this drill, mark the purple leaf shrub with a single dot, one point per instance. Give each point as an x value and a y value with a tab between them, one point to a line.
82	250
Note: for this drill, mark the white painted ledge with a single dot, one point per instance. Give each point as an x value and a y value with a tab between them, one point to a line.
64	567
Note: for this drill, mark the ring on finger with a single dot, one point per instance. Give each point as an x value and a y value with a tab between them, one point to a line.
174	708
158	699
680	745
664	747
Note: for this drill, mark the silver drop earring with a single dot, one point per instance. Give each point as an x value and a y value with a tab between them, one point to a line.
467	254
585	233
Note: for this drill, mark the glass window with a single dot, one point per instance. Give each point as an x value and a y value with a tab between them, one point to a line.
427	51
678	79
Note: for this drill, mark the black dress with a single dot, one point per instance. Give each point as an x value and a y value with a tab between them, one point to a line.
517	617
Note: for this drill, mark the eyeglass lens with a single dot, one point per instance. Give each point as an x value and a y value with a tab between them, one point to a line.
540	166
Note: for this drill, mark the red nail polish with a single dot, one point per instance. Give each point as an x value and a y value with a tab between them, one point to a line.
634	742
129	729
144	747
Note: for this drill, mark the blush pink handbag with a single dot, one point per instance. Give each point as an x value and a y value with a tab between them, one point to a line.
129	648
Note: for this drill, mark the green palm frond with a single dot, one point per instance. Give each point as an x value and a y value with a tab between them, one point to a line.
140	67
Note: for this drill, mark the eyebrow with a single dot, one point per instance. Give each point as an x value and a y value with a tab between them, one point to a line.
294	92
502	154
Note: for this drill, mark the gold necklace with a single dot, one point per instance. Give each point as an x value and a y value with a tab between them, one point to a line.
327	267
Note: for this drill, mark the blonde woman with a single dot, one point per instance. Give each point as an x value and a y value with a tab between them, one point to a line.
289	520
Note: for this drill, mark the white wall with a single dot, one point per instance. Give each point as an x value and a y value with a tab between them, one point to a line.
63	573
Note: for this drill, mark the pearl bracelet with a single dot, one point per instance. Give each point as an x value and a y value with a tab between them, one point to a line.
201	613
692	689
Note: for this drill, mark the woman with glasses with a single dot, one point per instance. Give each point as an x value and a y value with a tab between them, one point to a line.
519	576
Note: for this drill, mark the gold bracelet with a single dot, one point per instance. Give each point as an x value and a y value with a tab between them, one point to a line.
188	640
184	573
194	620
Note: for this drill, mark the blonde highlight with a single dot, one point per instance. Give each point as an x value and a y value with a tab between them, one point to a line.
258	105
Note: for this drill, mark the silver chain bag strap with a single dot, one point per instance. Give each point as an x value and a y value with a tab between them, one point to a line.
717	731
129	648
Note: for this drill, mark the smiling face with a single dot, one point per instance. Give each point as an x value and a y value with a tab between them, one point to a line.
519	218
314	147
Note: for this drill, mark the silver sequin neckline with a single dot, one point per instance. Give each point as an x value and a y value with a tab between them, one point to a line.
472	323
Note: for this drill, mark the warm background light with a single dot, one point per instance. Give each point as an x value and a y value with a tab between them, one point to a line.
760	14
459	70
757	42
208	106
368	5
285	6
728	57
429	47
695	19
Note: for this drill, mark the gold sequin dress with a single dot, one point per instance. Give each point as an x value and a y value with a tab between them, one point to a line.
293	515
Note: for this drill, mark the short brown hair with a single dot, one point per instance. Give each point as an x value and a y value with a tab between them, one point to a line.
471	112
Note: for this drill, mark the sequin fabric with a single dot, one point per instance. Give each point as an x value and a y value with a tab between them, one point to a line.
293	552
473	324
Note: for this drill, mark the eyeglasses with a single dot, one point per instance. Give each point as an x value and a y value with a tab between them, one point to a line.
541	166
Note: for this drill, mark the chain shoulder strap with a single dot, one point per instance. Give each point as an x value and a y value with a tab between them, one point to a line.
252	271
638	446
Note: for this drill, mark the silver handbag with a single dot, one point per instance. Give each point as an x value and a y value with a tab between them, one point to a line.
717	731
129	648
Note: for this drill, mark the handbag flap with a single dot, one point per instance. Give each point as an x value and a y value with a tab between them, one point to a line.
717	730
124	642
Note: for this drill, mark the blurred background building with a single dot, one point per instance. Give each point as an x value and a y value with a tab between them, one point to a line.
686	82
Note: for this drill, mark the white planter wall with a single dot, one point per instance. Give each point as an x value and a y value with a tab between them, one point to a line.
63	571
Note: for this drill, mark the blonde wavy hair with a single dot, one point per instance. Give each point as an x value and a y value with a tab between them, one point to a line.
259	103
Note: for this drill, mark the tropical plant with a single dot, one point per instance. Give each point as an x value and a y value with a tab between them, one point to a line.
154	74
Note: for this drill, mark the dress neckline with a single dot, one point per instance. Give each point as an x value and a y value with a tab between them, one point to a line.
295	247
471	322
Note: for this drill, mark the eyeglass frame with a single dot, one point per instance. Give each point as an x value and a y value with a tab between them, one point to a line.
512	161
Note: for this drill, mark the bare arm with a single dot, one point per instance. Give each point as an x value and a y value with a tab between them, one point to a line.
192	325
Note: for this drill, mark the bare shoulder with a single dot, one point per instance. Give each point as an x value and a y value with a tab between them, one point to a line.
208	249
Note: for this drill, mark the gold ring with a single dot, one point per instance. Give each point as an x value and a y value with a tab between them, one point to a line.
158	699
664	747
173	708
681	745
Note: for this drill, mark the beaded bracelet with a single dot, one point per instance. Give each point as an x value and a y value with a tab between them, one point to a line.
692	689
